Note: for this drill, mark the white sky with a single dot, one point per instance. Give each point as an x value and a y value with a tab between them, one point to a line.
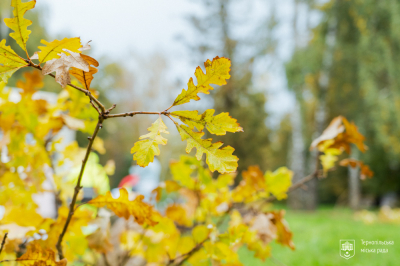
119	27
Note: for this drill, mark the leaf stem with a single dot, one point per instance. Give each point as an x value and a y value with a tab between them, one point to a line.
78	187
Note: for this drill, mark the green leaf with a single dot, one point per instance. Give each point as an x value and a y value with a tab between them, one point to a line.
218	125
144	151
217	72
19	24
10	62
218	159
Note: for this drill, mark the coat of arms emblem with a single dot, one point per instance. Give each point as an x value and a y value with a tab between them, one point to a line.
347	248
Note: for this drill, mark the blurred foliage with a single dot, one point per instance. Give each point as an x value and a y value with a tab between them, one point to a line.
355	49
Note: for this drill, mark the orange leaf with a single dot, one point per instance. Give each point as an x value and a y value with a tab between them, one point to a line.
37	256
364	169
34	81
123	207
85	78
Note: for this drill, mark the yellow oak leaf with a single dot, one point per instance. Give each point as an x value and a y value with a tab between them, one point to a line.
54	48
123	207
36	256
85	78
218	159
329	158
218	125
200	233
178	214
253	182
10	61
171	186
144	151
217	72
18	23
278	182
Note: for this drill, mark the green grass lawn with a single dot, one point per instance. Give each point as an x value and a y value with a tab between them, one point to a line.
317	235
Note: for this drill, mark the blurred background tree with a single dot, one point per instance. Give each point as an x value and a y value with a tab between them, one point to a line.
348	67
217	33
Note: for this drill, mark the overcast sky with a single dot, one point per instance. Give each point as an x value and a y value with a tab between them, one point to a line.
119	27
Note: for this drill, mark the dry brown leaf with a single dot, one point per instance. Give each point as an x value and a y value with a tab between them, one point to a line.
264	227
62	65
335	128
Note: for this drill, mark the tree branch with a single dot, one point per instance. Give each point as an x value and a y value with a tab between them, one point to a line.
78	187
187	255
135	113
3	242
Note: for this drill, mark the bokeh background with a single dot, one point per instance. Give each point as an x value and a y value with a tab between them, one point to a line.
296	64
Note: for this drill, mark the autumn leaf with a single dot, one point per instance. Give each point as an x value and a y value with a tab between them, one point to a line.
63	64
85	78
144	151
278	182
253	182
33	81
332	131
284	234
365	171
218	159
19	24
123	207
53	49
9	62
340	133
353	136
178	214
218	125
217	72
36	256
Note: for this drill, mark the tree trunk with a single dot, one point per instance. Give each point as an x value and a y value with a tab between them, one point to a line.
297	198
354	186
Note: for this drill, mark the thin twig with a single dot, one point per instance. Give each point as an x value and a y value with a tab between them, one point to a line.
136	113
187	255
77	188
3	242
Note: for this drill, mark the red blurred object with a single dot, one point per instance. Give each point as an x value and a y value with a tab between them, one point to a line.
129	181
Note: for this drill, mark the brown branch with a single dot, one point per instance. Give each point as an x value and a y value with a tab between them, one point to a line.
77	188
105	259
187	255
3	242
136	113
